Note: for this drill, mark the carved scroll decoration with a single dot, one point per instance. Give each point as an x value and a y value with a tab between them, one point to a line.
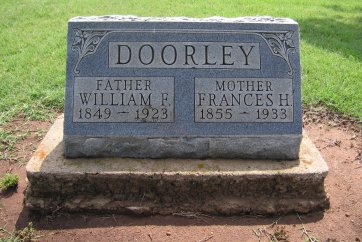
280	43
86	42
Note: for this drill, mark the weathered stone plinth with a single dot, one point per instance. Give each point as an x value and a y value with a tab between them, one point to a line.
166	186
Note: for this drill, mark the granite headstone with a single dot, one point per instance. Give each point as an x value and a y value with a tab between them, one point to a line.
147	87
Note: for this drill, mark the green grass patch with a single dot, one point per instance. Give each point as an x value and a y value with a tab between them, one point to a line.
9	181
33	46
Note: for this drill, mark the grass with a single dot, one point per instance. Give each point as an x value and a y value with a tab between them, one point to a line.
9	181
8	140
33	46
26	234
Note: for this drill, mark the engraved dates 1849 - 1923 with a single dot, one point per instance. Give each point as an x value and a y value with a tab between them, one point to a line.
123	99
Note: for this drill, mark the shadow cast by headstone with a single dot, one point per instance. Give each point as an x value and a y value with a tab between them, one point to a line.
334	34
9	192
61	220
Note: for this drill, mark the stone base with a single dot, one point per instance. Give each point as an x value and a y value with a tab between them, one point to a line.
166	186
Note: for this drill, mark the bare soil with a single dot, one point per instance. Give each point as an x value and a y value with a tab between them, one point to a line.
337	137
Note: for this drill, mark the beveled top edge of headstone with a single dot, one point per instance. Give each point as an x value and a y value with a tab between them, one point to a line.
216	19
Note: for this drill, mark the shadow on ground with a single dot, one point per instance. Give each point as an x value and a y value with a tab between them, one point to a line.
83	220
334	34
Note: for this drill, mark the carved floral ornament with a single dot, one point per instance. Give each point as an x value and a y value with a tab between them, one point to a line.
86	42
280	44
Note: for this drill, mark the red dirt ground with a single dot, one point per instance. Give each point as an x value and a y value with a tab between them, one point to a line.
338	138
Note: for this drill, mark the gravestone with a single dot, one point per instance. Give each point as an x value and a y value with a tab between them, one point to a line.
183	88
192	93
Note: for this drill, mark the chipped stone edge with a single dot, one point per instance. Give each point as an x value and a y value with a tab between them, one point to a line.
214	19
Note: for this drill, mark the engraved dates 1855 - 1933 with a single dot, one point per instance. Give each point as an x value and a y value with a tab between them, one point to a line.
243	100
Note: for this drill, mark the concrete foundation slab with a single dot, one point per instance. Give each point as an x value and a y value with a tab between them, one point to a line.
166	186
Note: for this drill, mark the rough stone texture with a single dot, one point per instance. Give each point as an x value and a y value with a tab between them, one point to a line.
218	19
95	56
166	186
261	147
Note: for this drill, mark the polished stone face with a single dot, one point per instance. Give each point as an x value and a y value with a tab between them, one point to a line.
182	79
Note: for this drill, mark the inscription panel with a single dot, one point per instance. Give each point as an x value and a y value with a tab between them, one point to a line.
123	99
184	55
243	100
